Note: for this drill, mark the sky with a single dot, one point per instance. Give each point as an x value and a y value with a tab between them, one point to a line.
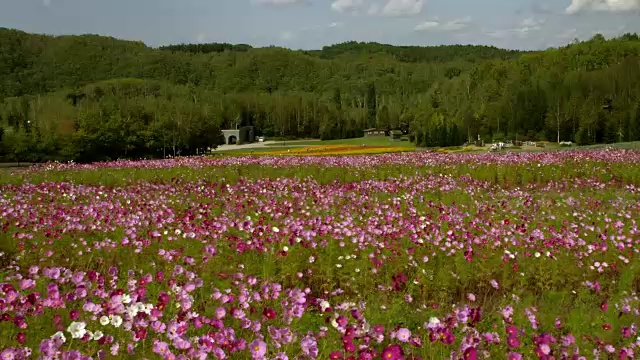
311	24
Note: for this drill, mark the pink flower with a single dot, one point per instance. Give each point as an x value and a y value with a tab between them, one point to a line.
514	356
258	349
494	284
403	334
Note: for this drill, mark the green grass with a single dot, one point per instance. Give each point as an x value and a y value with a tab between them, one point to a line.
254	150
368	141
624	145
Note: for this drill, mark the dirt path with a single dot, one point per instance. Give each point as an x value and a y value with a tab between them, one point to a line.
291	143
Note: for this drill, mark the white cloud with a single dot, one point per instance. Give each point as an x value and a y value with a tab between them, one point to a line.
332	25
522	29
200	38
374	9
453	25
569	34
528	25
403	7
457	24
427	25
287	35
278	2
603	5
386	8
343	6
498	34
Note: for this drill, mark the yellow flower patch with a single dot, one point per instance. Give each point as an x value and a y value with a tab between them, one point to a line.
332	150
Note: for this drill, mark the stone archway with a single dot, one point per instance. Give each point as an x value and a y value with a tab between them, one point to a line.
232	140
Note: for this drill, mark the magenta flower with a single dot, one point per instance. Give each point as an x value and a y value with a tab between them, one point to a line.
470	354
514	356
393	352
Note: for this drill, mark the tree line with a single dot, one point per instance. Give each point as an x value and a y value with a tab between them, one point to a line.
90	97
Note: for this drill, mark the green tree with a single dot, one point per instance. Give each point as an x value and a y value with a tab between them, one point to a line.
372	105
337	98
634	125
384	120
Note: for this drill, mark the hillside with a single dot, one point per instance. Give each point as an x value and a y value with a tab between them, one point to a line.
441	95
415	54
39	64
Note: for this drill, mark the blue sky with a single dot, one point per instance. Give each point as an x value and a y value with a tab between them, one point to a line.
311	24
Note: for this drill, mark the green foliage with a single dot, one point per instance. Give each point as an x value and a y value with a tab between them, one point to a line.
126	118
415	54
181	94
372	105
206	48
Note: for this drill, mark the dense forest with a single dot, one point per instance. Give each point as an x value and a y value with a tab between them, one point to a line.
90	97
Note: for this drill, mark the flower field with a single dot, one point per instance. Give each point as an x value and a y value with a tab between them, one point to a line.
397	256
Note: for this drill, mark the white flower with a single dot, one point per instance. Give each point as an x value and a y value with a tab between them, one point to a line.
104	321
97	335
77	329
338	265
537	254
59	335
147	309
324	305
334	323
357	270
434	321
116	320
275	229
311	259
126	299
285	249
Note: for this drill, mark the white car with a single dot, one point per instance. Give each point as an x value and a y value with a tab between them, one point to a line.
260	138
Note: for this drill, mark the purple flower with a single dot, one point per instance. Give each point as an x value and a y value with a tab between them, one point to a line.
258	349
309	346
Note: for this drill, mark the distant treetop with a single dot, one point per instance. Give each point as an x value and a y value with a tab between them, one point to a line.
206	48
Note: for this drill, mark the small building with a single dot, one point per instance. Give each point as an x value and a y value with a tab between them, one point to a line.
396	135
243	135
375	132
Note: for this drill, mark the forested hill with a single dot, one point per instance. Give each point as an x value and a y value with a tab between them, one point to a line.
92	97
32	64
441	54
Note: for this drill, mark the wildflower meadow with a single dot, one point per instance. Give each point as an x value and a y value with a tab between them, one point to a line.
419	255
